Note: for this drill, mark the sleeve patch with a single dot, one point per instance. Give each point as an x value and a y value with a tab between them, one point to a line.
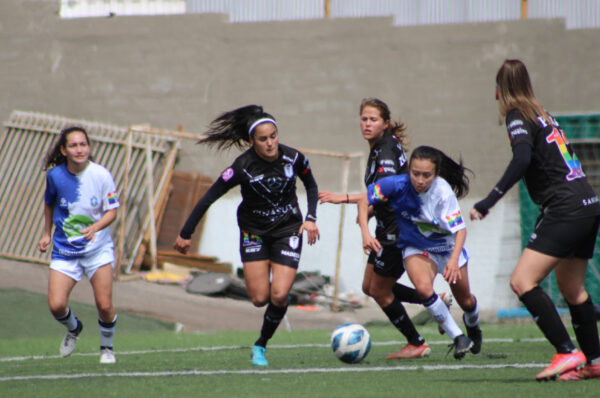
454	220
112	198
227	174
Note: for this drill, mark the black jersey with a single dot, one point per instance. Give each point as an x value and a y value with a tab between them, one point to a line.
269	202
554	177
385	159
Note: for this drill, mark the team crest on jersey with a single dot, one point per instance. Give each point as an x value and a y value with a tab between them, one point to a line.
294	242
63	202
288	170
227	174
93	201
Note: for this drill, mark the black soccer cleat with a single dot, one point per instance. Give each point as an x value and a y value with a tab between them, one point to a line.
461	345
474	334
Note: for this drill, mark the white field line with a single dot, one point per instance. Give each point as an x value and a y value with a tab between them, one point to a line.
197	372
238	347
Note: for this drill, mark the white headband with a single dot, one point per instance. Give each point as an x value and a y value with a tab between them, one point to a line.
260	121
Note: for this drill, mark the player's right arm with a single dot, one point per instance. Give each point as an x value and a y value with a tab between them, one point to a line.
369	242
226	181
47	237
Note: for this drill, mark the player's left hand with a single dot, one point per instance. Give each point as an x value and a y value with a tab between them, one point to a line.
451	272
475	215
88	232
312	231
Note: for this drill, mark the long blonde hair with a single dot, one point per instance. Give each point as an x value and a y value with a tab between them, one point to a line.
515	91
396	128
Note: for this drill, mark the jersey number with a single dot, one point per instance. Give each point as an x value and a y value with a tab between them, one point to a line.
573	164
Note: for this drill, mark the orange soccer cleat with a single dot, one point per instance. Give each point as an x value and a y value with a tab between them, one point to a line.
411	351
589	371
562	363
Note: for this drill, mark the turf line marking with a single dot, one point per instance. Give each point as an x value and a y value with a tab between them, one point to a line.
198	372
242	347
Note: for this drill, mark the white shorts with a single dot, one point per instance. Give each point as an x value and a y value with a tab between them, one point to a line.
87	264
439	259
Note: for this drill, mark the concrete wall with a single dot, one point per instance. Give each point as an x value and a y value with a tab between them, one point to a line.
184	70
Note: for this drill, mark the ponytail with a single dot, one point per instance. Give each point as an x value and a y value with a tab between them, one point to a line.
234	128
395	128
454	173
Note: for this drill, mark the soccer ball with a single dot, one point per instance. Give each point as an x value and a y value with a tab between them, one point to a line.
350	342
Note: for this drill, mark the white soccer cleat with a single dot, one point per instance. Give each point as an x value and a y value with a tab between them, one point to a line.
70	341
107	356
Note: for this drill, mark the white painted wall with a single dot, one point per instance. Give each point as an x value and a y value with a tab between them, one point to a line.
494	244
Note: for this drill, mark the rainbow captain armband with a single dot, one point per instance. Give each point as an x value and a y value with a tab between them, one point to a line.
454	220
112	197
375	194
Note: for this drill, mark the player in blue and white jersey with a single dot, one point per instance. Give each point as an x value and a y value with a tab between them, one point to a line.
270	220
387	141
425	203
565	231
81	202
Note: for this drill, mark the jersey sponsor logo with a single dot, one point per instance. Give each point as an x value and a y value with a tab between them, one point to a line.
258	178
590	201
252	249
112	197
288	170
294	242
429	230
387	170
288	253
518	131
386	162
275	183
402	159
276	211
543	123
515	123
227	174
454	220
93	201
72	227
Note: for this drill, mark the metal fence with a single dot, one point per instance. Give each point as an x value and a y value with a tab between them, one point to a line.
578	14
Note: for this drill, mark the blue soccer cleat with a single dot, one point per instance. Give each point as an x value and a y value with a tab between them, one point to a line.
258	356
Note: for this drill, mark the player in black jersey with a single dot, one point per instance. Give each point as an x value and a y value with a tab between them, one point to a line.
565	232
269	217
387	140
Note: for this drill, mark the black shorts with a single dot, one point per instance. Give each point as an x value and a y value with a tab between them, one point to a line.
389	263
565	239
283	250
